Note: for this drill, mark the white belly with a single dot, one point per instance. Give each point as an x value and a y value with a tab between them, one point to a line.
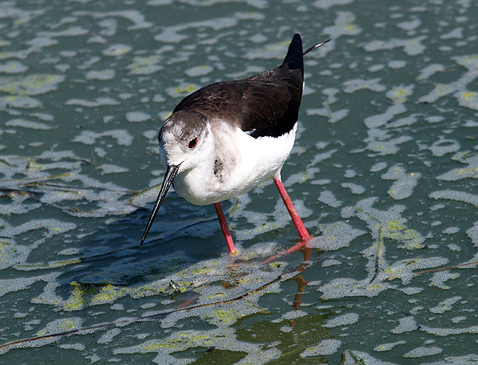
246	162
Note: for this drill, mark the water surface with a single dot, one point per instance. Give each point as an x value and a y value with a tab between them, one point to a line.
383	171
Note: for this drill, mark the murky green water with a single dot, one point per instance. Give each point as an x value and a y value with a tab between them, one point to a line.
384	170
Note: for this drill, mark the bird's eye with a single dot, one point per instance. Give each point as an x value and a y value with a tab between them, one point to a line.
193	143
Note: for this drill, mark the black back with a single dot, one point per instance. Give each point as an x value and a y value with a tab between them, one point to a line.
266	104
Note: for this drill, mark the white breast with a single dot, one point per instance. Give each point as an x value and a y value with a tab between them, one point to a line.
243	163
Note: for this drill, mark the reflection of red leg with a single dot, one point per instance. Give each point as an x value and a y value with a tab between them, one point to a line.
225	228
304	235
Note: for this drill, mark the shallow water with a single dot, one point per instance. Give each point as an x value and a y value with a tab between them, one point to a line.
383	172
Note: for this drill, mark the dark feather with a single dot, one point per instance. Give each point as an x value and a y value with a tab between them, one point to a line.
262	105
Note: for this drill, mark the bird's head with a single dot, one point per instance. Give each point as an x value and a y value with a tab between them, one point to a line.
185	140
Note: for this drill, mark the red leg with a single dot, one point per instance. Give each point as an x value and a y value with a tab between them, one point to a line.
225	228
297	247
304	235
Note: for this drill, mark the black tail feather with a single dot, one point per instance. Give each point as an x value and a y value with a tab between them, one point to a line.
315	47
295	58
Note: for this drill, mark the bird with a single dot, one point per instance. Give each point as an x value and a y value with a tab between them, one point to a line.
228	137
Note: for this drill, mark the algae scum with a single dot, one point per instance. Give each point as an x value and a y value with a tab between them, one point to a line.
384	174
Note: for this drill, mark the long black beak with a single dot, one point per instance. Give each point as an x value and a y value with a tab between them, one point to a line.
169	176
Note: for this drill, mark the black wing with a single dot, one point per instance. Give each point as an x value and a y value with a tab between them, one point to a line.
263	105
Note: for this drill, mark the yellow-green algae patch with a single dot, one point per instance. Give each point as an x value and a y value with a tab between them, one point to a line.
400	93
469	171
84	295
145	65
216	296
187	338
225	316
106	294
61	325
116	50
30	85
397	231
205	278
181	91
6	250
222	338
394	225
468	99
404	269
78	296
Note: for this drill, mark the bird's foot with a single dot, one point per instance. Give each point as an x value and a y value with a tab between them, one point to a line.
305	246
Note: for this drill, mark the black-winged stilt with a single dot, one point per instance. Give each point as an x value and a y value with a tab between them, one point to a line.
228	137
